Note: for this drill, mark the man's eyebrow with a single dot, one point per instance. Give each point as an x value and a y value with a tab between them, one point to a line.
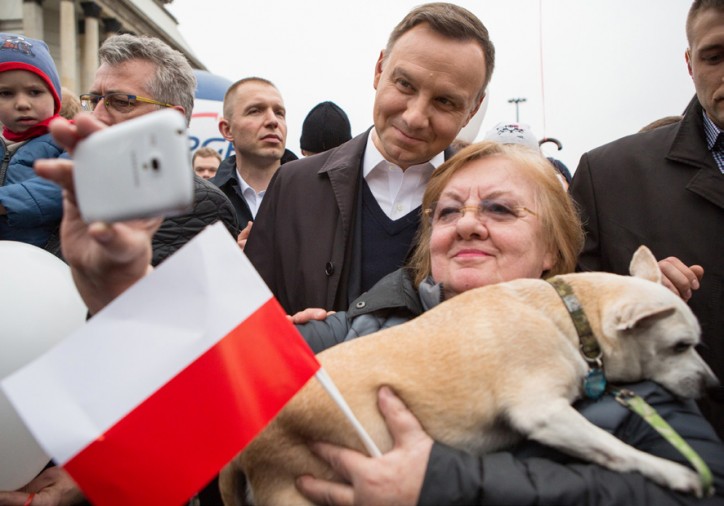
258	104
401	72
718	46
111	92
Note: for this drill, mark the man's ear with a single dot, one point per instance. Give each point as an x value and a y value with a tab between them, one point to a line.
687	57
378	69
180	109
225	130
475	109
644	265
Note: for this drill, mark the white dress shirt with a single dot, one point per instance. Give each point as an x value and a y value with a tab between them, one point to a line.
252	197
397	192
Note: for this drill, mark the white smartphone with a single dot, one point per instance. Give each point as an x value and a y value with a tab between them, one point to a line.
136	169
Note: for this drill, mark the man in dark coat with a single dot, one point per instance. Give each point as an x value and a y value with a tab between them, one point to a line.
227	182
665	189
333	224
255	123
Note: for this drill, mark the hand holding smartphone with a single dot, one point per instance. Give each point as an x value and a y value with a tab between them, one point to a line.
140	168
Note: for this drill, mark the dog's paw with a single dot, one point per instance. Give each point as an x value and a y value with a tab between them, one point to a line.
679	478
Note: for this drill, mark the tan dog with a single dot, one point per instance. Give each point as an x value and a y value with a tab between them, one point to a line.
502	352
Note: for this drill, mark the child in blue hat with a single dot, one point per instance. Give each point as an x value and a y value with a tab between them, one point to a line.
30	207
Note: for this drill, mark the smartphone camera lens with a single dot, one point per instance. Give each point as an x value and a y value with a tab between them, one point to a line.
155	164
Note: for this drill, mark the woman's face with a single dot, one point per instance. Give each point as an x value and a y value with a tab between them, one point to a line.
501	242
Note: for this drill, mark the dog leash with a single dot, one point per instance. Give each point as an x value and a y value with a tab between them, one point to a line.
639	406
594	385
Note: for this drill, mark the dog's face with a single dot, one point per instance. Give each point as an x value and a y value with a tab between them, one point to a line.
676	365
655	334
662	333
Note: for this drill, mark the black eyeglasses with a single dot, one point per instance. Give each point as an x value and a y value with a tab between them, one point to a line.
121	102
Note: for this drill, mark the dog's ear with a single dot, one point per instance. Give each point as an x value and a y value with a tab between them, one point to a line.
639	315
644	265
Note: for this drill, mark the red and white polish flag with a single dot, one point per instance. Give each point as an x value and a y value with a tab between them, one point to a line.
158	391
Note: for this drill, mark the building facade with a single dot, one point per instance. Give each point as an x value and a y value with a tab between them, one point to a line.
75	29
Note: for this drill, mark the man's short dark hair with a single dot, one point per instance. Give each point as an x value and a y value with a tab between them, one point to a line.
232	89
696	8
451	21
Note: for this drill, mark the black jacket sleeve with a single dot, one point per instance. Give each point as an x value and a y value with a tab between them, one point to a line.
210	205
534	475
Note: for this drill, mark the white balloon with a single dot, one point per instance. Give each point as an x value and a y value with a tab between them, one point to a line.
470	131
39	306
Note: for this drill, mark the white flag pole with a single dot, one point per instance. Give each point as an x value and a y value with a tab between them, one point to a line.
336	396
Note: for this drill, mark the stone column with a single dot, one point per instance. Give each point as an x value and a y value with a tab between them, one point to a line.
68	54
33	19
91	42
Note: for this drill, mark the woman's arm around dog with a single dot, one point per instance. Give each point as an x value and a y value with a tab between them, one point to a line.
531	475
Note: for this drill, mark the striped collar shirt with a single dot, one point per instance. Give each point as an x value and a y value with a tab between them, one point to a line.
714	141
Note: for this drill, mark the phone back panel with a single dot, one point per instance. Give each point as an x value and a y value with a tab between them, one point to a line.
135	169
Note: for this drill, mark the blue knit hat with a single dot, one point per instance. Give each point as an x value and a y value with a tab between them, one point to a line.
18	52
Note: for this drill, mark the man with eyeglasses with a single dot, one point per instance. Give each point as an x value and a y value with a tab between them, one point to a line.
120	102
139	75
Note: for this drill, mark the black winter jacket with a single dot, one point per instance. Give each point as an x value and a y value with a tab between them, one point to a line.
210	206
391	301
533	474
225	179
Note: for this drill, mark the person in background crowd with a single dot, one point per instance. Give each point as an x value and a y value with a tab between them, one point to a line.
69	104
30	97
205	162
666	120
325	127
520	133
255	123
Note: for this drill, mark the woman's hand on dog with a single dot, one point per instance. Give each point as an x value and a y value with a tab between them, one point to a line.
394	478
680	278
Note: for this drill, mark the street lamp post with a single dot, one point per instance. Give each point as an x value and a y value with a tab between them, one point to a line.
516	101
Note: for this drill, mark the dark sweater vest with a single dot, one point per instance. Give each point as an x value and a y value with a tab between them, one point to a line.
385	243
